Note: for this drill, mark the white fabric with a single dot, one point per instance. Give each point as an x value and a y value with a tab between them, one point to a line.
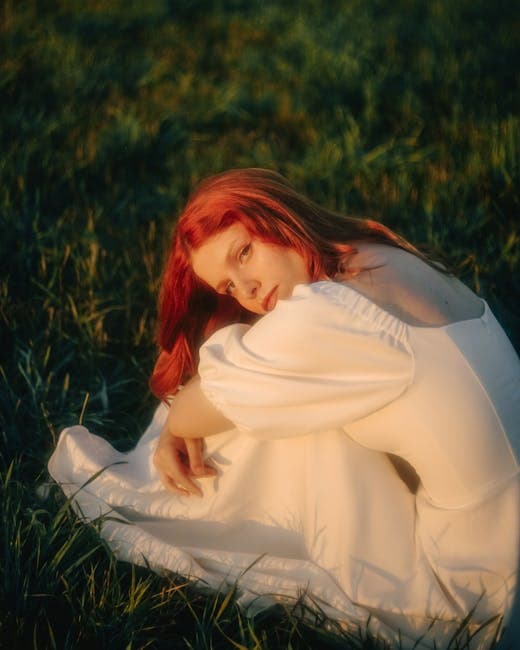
306	500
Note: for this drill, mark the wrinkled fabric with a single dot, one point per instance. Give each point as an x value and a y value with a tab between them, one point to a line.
306	500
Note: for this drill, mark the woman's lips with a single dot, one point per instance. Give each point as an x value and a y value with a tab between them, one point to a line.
270	300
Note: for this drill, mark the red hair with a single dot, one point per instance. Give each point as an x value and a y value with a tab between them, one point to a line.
274	212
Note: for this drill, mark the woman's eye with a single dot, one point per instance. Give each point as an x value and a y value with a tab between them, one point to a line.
244	252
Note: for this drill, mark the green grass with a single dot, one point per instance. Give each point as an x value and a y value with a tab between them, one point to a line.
109	112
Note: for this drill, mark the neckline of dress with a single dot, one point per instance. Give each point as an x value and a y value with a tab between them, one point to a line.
464	321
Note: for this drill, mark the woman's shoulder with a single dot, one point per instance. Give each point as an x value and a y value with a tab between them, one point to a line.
335	301
408	287
316	315
382	262
368	255
326	331
325	313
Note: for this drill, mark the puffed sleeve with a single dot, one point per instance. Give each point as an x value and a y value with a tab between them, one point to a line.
321	359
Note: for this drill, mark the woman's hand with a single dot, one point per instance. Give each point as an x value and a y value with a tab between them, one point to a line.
178	460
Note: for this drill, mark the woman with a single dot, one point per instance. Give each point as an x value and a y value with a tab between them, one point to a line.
327	346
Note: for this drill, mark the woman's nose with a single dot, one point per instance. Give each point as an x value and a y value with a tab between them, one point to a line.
248	288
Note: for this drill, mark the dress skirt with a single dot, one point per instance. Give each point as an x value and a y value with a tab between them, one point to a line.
306	502
318	516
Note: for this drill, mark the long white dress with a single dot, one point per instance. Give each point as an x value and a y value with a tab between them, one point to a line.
306	500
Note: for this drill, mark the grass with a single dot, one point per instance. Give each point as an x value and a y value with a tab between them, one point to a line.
109	112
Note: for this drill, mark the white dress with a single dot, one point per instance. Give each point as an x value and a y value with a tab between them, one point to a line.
305	500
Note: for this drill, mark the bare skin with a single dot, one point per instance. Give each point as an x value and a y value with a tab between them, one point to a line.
179	461
408	288
254	273
179	457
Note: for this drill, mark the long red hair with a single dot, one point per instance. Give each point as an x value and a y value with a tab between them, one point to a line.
274	212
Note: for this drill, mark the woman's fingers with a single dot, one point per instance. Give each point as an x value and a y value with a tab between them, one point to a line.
172	467
184	488
194	450
170	485
182	484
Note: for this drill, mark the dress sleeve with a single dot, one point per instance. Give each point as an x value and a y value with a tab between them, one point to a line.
321	359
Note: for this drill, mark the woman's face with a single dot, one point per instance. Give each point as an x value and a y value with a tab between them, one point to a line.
253	272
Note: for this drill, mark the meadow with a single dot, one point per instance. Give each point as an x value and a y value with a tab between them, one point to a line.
110	112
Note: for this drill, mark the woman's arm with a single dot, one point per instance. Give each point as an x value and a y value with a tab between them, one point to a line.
179	454
323	359
193	415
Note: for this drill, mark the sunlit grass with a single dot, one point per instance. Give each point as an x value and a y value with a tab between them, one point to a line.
109	112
